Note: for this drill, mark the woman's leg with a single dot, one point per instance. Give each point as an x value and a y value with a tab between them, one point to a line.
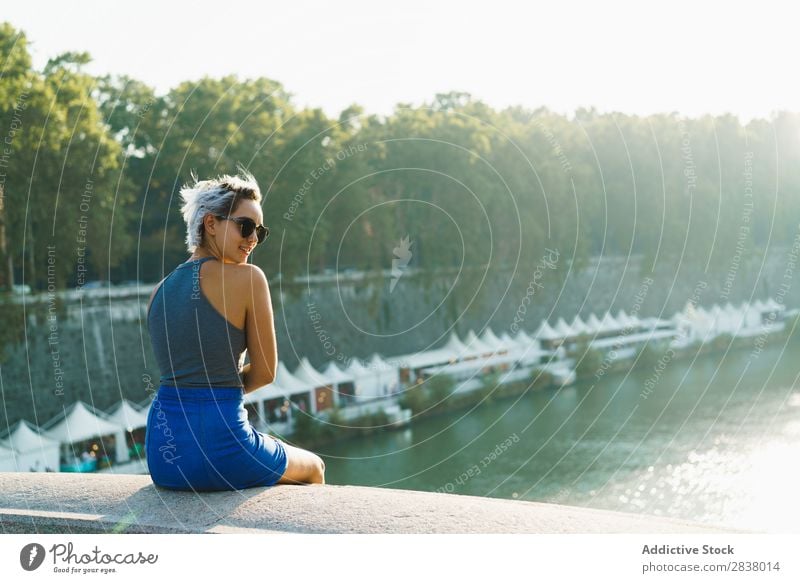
302	467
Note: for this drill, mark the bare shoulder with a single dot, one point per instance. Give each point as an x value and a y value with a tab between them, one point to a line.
246	277
247	271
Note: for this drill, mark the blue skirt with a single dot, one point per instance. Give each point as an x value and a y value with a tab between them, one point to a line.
200	439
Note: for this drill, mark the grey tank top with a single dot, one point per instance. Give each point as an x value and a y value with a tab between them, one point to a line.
195	345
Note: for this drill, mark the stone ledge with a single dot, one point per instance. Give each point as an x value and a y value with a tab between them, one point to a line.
105	503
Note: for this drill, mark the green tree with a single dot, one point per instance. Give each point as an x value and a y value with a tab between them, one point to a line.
62	169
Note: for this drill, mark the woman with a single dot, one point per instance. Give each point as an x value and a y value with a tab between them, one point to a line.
201	319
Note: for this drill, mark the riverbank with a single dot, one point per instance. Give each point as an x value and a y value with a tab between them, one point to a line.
313	432
440	397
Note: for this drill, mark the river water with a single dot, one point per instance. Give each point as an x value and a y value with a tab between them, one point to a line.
717	440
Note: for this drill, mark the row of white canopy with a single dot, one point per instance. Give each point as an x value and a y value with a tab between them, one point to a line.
25	443
488	346
373	378
39	448
700	323
728	314
592	326
377	377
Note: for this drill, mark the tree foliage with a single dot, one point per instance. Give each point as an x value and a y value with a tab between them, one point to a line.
479	192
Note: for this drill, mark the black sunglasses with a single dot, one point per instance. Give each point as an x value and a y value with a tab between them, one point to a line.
247	226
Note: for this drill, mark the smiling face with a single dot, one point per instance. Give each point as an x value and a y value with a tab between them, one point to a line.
224	237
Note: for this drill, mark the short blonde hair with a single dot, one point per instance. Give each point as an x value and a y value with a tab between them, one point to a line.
219	196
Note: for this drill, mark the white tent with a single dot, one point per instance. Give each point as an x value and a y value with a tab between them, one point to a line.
529	349
579	326
489	339
452	350
545	332
523	340
563	329
455	346
128	416
306	372
335	375
609	324
367	381
752	317
492	352
470	370
288	384
654	323
627	321
688	309
680	319
594	324
702	324
715	319
425	358
476	346
718	319
8	461
507	342
376	362
356	369
388	374
737	318
30	446
337	378
78	423
523	347
688	324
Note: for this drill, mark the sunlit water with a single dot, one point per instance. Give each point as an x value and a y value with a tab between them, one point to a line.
717	441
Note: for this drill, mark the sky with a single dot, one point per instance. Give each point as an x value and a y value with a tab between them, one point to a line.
691	57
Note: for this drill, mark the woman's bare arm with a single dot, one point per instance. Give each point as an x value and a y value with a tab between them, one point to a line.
260	331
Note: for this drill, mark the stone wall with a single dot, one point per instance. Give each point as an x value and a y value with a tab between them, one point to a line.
103	503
